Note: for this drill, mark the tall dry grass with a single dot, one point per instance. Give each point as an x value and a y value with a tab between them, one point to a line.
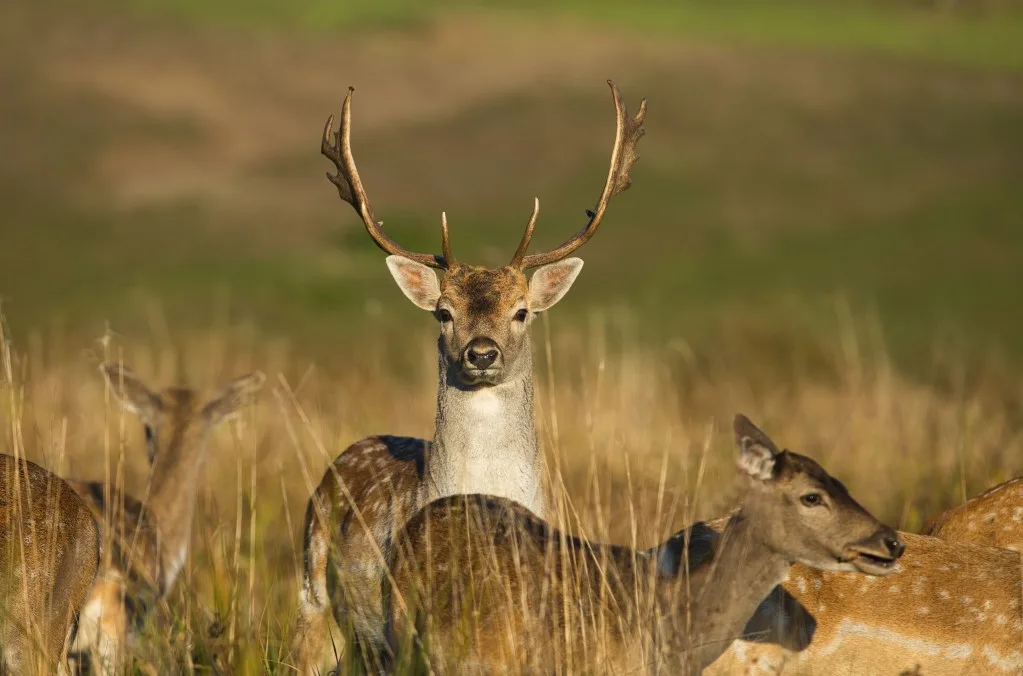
635	436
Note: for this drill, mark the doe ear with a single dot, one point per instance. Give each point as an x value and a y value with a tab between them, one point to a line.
417	281
130	391
551	282
238	393
757	453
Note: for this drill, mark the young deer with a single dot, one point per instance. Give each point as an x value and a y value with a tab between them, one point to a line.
149	539
948	609
485	437
993	518
485	586
49	555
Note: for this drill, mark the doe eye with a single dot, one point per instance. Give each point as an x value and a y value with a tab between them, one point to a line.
811	499
443	316
522	315
149	433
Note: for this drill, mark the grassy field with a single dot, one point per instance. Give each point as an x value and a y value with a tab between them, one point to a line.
825	231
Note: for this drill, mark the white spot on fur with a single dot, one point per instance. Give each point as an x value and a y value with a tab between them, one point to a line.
1011	662
958	651
849	628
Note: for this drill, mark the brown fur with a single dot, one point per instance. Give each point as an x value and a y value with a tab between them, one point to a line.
947	610
376	484
49	555
993	518
485	439
486	587
148	540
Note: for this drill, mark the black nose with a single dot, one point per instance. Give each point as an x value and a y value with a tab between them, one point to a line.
894	545
482	353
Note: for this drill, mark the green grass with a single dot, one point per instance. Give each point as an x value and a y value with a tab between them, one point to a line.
770	185
981	34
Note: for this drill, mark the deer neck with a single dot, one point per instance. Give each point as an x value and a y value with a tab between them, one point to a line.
174	487
726	590
485	440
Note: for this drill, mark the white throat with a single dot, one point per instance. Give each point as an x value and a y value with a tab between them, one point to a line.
486	442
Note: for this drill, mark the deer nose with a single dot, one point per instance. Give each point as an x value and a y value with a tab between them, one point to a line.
482	353
894	545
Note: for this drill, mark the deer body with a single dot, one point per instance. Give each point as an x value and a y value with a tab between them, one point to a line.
993	518
483	586
149	539
947	609
49	555
485	435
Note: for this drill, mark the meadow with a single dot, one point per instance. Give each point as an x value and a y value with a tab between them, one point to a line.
824	232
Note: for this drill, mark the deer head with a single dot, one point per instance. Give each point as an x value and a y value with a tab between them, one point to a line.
483	313
806	513
177	419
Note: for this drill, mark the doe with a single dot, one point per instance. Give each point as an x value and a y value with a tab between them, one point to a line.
483	586
149	538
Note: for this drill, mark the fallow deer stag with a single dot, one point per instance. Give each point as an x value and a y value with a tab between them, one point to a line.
148	539
485	437
49	555
993	518
483	586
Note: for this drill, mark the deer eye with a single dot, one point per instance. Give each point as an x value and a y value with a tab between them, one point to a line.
522	315
149	433
443	316
812	499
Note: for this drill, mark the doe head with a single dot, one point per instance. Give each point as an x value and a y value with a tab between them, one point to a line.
806	514
177	418
483	313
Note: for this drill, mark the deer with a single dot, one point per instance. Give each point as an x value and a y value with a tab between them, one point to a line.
993	518
49	556
485	436
946	609
149	538
482	585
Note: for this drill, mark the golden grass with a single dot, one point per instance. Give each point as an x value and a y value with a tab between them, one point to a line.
636	437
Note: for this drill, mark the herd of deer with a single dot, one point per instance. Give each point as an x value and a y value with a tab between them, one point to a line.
436	554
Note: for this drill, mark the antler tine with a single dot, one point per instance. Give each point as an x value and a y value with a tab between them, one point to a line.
623	156
445	241
349	186
527	235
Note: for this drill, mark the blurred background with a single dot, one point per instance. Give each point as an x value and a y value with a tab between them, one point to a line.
825	229
798	154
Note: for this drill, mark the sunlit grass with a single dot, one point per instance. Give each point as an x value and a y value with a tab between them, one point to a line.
625	430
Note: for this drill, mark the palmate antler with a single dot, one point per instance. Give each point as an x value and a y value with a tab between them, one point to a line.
623	156
349	186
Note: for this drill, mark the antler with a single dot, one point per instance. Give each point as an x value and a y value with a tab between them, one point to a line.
623	156
349	187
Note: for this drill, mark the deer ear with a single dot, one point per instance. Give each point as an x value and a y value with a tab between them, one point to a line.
551	282
757	453
130	391
239	392
417	281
